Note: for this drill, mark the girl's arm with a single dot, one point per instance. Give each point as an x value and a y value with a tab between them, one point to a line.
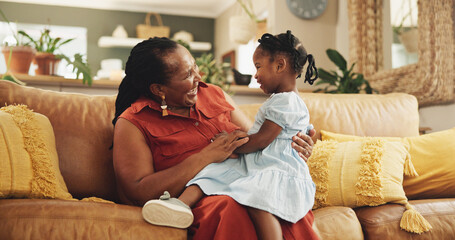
303	143
258	141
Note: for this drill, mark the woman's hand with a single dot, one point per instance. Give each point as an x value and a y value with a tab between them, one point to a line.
224	144
303	144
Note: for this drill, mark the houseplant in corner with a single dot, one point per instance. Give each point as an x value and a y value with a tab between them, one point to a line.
344	80
47	59
211	73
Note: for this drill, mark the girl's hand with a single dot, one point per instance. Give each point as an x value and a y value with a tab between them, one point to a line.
224	144
303	144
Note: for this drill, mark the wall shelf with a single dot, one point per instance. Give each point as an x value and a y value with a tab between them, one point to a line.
113	42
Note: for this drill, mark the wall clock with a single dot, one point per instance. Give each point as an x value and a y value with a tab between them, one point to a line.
307	9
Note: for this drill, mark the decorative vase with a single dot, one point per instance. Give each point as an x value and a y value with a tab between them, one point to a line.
47	63
120	32
241	29
21	58
241	79
409	39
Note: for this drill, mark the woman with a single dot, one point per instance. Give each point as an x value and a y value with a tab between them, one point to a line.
164	122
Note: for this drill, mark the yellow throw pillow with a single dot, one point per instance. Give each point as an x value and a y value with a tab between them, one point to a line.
364	173
28	158
433	156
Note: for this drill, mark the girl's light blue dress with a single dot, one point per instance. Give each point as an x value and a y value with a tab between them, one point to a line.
275	179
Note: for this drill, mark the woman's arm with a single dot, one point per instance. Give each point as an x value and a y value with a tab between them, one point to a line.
237	116
133	163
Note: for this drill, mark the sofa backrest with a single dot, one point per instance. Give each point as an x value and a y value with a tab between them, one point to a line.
83	134
83	129
393	115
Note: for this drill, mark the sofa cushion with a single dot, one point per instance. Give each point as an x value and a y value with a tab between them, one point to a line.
383	222
61	219
83	134
393	114
337	223
359	114
362	173
29	165
433	158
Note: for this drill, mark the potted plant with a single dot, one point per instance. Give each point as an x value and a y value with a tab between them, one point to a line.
47	59
18	56
346	82
243	28
408	36
211	72
8	75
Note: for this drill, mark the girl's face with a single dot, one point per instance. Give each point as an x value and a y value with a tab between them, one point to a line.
265	71
182	87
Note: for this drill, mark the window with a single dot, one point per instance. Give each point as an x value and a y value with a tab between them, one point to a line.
403	14
78	45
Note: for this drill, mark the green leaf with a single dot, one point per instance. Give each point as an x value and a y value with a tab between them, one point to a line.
80	67
327	77
336	58
345	80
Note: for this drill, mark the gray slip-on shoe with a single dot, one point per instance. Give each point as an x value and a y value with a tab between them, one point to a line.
167	211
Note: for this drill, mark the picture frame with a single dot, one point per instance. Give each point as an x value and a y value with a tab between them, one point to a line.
229	57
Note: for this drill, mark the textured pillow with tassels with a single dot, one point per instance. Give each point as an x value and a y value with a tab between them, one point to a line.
28	159
29	166
364	173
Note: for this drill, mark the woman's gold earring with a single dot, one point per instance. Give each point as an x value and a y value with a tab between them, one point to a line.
164	106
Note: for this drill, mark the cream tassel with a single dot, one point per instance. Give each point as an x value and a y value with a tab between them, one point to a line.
412	221
409	169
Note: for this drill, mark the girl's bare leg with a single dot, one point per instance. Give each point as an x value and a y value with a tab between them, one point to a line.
266	224
191	195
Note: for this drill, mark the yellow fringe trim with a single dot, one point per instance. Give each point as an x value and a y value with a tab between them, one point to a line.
368	188
318	165
43	183
96	199
412	221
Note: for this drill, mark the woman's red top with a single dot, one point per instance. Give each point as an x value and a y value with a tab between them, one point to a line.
173	138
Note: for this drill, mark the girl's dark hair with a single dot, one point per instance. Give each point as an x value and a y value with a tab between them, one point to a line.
145	66
290	45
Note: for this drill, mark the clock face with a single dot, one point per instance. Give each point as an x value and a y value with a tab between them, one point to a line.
307	9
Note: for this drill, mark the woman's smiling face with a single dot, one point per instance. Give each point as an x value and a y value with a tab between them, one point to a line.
182	87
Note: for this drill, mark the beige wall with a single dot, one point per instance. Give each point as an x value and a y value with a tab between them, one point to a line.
330	30
222	42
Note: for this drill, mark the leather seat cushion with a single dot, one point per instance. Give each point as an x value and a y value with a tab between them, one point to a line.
337	223
383	222
61	219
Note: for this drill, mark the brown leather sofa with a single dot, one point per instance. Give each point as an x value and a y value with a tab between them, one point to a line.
83	132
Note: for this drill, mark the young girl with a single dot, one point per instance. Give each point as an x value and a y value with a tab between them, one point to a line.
269	177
